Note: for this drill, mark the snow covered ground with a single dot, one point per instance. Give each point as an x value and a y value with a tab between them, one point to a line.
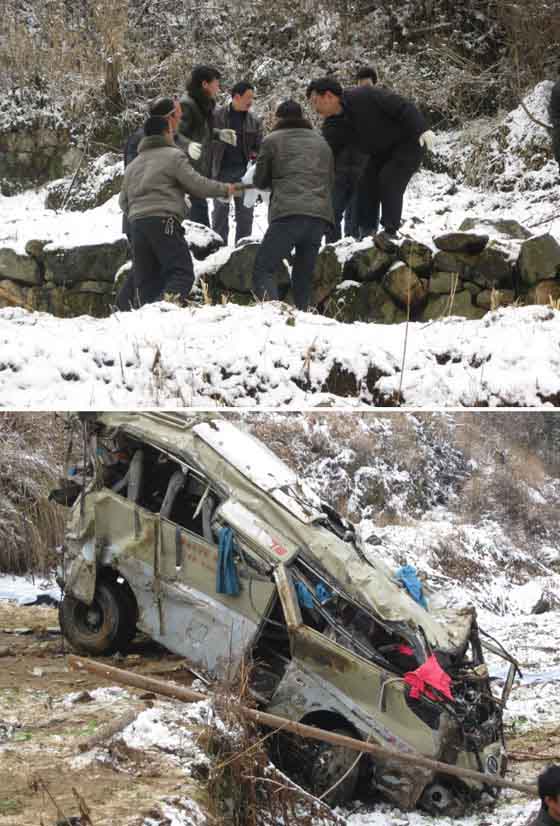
229	355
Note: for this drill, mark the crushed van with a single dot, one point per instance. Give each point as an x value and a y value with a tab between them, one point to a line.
197	534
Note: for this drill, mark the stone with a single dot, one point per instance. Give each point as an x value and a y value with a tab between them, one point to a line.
385	243
492	299
381	307
97	181
504	227
440	306
13	295
491	268
35	248
99	287
405	286
89	262
236	275
21	268
468	242
348	303
544	292
539	259
418	256
367	265
201	241
66	303
444	282
326	275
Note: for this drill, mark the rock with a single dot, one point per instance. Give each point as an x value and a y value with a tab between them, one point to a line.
383	242
35	248
492	299
96	182
542	606
444	282
381	307
491	268
496	227
326	275
544	292
201	241
13	295
367	265
348	303
20	268
440	306
539	259
418	256
404	285
468	242
236	275
90	262
4	651
99	287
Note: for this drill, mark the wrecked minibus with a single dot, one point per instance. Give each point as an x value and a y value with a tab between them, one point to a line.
195	533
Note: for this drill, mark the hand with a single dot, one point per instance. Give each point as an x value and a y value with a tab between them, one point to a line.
232	190
195	150
426	140
228	136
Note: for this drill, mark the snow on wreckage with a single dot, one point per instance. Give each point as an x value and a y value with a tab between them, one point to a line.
333	639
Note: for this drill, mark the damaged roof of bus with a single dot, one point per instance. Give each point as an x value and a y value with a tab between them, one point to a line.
229	455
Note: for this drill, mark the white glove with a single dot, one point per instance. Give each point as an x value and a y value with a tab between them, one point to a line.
195	150
228	136
426	140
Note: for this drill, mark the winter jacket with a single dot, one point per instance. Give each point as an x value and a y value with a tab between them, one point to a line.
155	182
544	819
298	166
252	135
350	164
554	105
197	126
374	120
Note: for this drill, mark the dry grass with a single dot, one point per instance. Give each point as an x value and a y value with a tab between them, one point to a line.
31	451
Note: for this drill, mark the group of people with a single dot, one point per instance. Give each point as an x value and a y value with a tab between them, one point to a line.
357	169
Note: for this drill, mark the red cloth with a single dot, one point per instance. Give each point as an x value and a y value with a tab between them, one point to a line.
406	650
429	673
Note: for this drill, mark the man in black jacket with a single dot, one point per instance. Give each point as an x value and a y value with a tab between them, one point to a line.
197	128
296	164
381	124
554	113
549	793
229	161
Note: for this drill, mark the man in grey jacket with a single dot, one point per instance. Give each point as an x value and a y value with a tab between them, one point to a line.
297	165
153	198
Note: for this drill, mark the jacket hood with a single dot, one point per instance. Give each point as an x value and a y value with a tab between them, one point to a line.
292	123
153	142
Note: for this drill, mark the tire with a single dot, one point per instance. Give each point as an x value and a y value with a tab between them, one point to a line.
97	628
327	764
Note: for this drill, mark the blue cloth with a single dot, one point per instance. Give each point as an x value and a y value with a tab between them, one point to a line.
227	581
407	575
322	592
304	595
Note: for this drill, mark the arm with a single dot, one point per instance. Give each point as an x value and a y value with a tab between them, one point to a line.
187	126
263	171
198	185
338	133
123	197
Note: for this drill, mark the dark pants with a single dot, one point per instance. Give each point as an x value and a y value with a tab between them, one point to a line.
386	179
161	261
344	204
243	215
199	211
302	232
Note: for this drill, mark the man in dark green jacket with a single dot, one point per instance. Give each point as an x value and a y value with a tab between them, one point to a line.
549	793
297	165
197	130
153	198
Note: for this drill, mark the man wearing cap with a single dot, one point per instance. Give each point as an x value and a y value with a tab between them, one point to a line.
297	165
170	109
153	198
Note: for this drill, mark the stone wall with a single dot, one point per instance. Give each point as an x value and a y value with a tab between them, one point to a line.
484	265
35	155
